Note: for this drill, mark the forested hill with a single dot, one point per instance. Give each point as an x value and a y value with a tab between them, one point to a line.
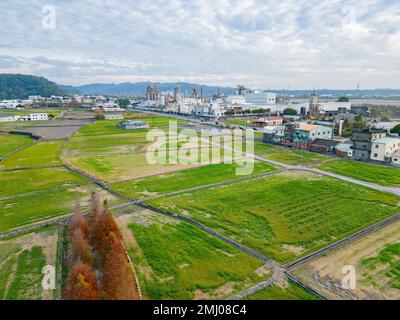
18	86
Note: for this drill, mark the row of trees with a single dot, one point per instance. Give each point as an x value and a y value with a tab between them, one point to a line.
99	268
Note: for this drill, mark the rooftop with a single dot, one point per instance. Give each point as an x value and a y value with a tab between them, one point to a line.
268	119
387	140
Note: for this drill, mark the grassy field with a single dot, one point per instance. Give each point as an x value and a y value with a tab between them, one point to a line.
375	258
11	142
184	179
21	263
386	264
39	154
284	215
113	154
27	111
37	180
291	291
239	122
288	156
30	208
387	176
175	260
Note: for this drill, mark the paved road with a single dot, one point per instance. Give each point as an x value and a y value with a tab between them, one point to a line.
392	190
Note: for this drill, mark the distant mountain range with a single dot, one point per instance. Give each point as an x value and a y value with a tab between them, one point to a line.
17	86
139	88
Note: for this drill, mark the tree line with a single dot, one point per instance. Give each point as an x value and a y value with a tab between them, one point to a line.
98	265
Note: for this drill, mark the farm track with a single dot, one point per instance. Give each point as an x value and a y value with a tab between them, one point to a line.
392	190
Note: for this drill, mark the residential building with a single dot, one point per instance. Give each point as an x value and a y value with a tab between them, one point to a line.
304	134
383	149
323	145
274	134
396	158
289	134
362	142
344	149
39	116
268	121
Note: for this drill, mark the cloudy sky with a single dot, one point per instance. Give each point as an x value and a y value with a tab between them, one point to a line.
274	44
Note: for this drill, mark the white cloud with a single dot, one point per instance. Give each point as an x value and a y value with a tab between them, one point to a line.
265	44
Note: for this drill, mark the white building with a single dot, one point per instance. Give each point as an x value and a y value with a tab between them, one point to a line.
113	109
396	158
186	108
261	98
39	116
9	104
268	121
7	118
384	148
236	99
216	109
112	116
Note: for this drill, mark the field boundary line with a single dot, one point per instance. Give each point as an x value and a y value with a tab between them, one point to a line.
210	231
245	293
243	248
305	286
338	244
32	168
19	149
211	185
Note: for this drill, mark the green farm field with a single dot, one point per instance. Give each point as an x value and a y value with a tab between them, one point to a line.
175	260
285	215
184	179
287	156
375	257
36	180
21	262
12	142
384	268
39	154
113	154
30	209
386	176
290	291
